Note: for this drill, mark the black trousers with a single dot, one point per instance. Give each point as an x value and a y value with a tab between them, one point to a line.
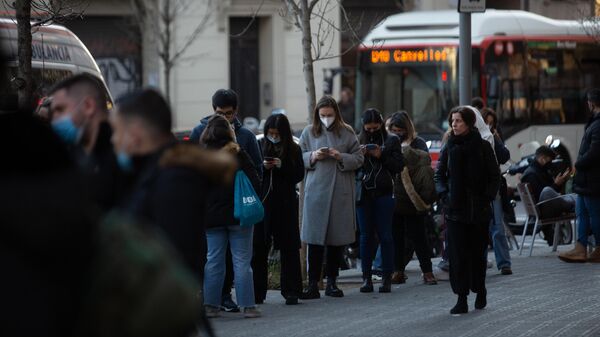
410	236
467	244
228	282
260	262
291	272
315	261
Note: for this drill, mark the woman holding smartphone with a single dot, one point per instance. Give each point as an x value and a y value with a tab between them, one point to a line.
331	155
283	169
383	160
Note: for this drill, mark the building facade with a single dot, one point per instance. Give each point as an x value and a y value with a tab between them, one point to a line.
250	46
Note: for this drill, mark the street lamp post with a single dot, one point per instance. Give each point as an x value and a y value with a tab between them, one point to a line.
465	8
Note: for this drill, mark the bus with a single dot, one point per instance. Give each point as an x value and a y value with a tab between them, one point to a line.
57	53
531	70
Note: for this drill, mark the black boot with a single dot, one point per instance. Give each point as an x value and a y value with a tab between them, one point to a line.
386	283
367	286
461	306
481	299
332	289
311	292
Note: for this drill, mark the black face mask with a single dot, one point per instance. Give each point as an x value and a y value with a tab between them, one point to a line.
373	135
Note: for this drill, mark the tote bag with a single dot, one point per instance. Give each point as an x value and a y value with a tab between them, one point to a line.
247	207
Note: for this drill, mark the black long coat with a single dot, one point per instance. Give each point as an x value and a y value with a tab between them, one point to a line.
281	200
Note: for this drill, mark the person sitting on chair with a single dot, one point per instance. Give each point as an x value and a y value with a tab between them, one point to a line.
545	187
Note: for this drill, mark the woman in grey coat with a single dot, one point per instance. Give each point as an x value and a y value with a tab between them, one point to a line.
331	155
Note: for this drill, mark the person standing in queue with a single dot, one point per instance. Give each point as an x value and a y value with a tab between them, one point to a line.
467	180
283	169
331	155
415	193
383	160
223	230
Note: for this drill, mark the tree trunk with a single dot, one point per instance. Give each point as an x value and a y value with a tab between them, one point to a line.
25	91
307	58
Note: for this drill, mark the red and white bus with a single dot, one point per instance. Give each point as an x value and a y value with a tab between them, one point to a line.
532	70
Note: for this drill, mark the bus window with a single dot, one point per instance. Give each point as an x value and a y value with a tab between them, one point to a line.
559	73
504	72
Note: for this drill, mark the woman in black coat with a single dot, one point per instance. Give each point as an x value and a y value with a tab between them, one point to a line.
467	180
283	170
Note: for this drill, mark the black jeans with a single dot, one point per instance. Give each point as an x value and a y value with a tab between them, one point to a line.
315	261
410	236
467	244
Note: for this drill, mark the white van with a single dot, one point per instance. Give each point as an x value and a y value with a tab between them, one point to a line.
57	53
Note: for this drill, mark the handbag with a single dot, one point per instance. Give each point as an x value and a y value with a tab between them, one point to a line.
247	207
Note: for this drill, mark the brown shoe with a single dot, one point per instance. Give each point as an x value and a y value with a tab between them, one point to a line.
429	278
399	277
594	256
577	254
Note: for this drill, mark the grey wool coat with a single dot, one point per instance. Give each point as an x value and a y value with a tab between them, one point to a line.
329	206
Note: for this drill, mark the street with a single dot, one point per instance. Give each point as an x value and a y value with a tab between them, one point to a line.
544	297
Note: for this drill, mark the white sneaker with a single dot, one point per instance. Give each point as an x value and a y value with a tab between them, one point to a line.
489	264
252	312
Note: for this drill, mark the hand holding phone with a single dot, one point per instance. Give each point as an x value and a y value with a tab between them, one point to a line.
371	147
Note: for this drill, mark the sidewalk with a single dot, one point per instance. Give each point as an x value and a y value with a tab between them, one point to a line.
544	297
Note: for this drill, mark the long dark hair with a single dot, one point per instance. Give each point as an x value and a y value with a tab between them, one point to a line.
372	115
218	133
288	148
338	124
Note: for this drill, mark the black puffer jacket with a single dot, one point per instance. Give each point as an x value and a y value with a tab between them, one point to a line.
378	173
587	178
467	178
220	199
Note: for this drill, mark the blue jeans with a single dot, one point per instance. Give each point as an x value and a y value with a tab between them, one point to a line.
240	241
499	235
588	217
376	214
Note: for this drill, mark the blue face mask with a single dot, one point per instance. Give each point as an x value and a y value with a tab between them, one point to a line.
274	140
124	161
66	130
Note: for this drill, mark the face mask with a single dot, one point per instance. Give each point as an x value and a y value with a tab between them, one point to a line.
124	161
66	130
273	140
327	121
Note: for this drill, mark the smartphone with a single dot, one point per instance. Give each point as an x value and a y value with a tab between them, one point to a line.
371	147
324	149
269	159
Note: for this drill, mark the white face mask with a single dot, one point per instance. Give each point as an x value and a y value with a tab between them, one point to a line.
327	121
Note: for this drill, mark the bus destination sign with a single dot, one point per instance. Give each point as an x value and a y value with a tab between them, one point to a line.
399	56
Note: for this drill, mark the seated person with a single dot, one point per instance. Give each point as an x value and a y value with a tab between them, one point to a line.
544	186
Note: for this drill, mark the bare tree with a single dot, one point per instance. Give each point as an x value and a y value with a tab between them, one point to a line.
318	44
160	18
44	12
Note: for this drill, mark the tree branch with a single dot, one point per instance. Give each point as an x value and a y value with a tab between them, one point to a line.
251	21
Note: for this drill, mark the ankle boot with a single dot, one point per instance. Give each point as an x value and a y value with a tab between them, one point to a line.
577	254
367	286
481	299
386	283
331	289
461	306
311	292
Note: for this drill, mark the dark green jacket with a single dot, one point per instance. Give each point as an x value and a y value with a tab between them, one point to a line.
414	186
